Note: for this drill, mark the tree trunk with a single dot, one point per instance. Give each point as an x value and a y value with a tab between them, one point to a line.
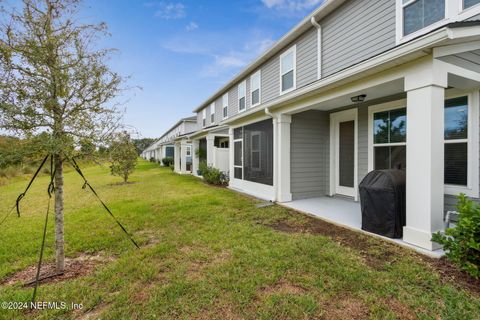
59	241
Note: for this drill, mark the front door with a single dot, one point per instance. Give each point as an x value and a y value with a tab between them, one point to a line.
344	153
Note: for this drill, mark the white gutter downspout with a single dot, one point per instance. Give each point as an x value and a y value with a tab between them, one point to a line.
275	154
319	46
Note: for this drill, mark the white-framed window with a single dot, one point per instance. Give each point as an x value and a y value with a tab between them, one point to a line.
461	144
204	117
242	93
189	151
288	70
255	93
387	145
417	17
212	113
225	105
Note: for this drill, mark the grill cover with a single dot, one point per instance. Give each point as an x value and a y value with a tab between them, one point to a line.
382	198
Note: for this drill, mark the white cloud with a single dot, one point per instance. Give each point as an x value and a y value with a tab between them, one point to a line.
291	5
191	26
170	10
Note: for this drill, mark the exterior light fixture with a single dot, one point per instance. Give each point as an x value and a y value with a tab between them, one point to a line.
359	99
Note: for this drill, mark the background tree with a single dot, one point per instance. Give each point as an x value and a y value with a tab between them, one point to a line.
123	155
53	79
142	144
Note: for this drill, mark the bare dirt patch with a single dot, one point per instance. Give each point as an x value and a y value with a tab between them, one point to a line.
79	266
200	258
401	310
345	308
93	314
376	253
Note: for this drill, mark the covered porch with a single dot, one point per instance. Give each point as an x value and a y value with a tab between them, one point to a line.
407	118
211	145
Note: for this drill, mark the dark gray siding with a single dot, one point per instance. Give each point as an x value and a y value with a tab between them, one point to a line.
357	30
362	142
309	154
307	58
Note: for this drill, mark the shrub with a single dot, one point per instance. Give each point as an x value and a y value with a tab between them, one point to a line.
167	161
212	175
152	159
462	243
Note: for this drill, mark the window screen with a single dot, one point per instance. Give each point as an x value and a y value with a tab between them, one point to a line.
421	13
258	152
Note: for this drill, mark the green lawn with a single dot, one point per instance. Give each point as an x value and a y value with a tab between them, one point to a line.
209	253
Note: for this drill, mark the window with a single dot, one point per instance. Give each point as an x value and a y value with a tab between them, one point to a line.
418	14
389	139
225	105
470	3
242	92
253	152
456	141
189	151
287	70
255	88
204	117
212	113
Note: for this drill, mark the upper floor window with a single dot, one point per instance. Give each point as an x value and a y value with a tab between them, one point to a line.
287	70
255	88
242	92
212	112
418	14
470	3
225	105
204	117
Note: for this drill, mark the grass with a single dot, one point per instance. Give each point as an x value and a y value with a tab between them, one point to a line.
209	253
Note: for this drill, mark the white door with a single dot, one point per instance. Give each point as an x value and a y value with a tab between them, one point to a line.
343	153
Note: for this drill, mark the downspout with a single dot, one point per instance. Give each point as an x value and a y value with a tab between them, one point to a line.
319	46
275	156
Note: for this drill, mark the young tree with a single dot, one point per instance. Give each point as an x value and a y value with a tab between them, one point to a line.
53	79
123	156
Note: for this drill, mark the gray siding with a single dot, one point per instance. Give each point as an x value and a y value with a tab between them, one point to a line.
233	101
307	58
357	30
309	154
362	142
270	79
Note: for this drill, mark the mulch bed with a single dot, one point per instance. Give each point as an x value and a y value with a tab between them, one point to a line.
74	267
448	272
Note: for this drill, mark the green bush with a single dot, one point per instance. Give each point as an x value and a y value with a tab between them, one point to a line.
167	161
212	175
462	243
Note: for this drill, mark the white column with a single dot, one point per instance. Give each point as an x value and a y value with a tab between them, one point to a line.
283	155
176	157
210	149
183	154
425	165
195	159
231	153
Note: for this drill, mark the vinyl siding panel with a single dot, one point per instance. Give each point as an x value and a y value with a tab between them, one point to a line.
309	154
270	79
218	110
233	101
349	37
362	143
307	61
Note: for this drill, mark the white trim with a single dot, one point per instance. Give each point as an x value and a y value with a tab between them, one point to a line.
259	75
212	113
472	187
225	105
259	190
293	50
242	85
335	119
379	108
454	11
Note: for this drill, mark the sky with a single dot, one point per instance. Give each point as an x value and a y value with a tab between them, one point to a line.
180	52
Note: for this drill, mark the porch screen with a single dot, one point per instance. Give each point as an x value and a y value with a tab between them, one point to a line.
389	139
456	141
258	152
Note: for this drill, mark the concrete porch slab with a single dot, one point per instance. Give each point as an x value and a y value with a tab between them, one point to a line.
346	213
